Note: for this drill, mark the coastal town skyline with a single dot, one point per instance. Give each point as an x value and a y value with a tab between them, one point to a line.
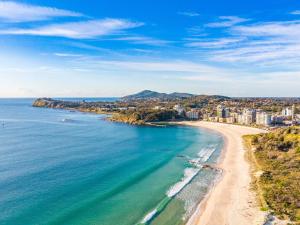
107	49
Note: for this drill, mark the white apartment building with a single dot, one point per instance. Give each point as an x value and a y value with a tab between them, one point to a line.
240	119
247	117
235	117
193	115
222	112
263	118
287	112
179	109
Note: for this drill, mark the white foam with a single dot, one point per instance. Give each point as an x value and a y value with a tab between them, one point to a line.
149	216
202	152
205	155
189	174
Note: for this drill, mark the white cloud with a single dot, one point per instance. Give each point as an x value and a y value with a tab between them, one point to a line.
139	66
213	43
18	12
296	12
289	29
144	40
227	21
275	45
274	56
190	14
77	30
61	54
269	44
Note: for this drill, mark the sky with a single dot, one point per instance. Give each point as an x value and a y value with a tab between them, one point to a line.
106	48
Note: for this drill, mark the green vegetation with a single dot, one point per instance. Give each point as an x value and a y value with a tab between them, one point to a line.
140	117
277	154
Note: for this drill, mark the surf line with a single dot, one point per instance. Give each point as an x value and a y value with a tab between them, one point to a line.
189	174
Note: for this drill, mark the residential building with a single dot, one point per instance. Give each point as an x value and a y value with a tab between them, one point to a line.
222	112
221	120
286	112
248	116
192	114
277	119
263	118
240	119
293	111
234	116
230	120
213	119
180	110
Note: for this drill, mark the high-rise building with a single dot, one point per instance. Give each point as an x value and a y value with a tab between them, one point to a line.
222	112
240	119
248	116
293	112
220	109
193	114
287	112
263	118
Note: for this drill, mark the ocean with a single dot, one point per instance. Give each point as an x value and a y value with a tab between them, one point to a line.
60	167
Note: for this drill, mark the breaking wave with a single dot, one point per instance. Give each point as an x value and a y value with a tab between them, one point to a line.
189	173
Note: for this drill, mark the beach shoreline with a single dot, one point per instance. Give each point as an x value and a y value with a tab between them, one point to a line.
230	200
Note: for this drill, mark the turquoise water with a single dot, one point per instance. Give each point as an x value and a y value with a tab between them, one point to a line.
62	167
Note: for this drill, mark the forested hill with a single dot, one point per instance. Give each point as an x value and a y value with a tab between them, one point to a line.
147	95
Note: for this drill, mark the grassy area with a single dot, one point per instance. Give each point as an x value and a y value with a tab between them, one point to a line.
256	171
276	158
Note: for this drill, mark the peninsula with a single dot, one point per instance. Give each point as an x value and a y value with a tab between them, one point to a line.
151	107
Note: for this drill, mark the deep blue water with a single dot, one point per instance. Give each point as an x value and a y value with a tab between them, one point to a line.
62	167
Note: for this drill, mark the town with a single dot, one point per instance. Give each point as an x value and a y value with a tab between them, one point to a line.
243	116
148	107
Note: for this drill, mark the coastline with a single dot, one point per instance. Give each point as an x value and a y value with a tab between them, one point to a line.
230	200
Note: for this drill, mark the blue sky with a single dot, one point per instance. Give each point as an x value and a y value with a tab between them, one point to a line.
113	48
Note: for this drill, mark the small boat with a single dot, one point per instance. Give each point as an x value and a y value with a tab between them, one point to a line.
65	120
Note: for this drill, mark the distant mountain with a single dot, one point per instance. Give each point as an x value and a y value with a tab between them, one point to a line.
181	95
148	95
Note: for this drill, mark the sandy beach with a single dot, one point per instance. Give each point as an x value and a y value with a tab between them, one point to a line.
230	201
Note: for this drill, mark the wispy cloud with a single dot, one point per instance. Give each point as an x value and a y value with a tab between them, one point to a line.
62	54
227	21
296	12
268	29
19	12
212	43
77	30
139	65
269	43
272	44
144	40
190	14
